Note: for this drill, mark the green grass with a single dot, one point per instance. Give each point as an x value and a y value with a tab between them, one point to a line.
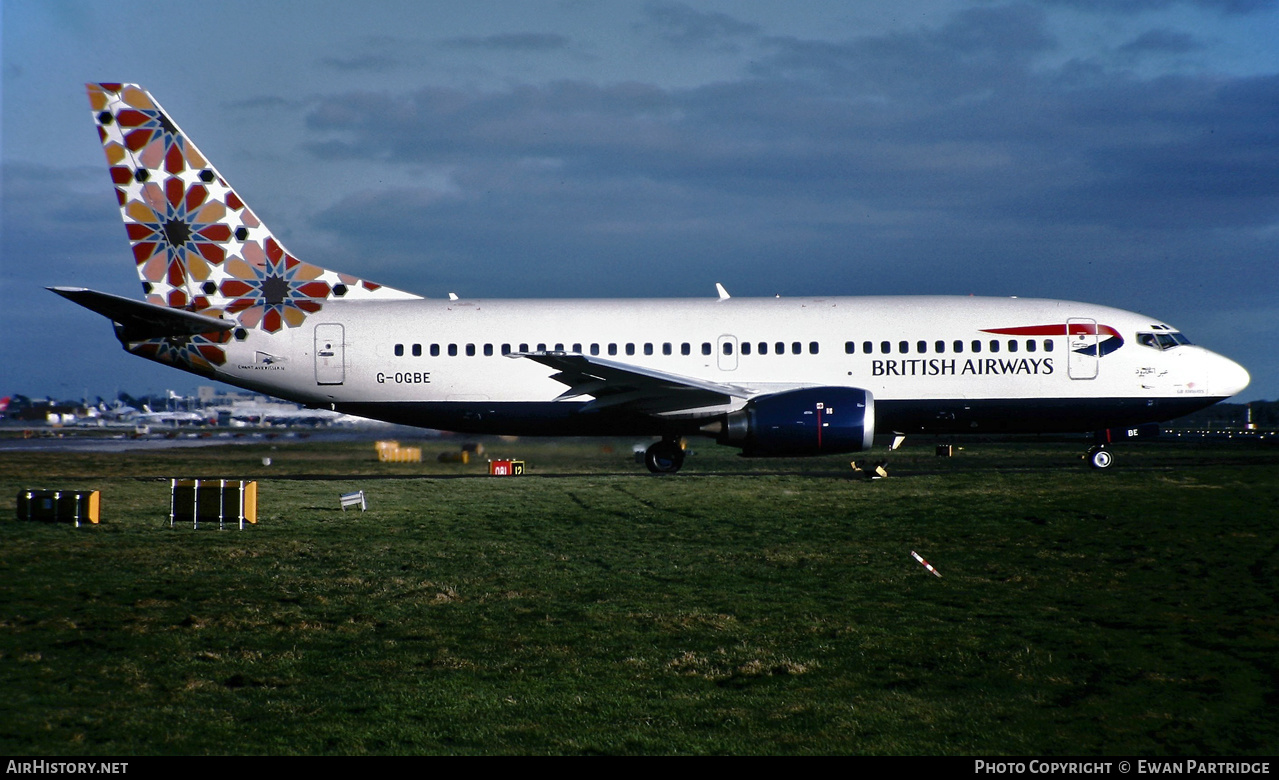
739	607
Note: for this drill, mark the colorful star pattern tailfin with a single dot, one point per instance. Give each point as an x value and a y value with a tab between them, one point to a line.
196	245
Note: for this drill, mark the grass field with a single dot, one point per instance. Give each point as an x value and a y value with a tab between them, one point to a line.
747	607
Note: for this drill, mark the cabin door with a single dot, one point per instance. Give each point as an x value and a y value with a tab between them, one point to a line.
1081	340
330	354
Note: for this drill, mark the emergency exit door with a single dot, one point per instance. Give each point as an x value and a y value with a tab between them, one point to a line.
726	348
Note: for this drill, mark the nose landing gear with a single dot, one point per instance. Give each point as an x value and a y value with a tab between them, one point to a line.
1099	457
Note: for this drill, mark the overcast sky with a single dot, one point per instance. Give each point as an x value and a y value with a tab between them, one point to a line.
1123	152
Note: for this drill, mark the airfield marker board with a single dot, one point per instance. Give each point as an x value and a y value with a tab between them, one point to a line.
353	499
213	499
506	468
54	505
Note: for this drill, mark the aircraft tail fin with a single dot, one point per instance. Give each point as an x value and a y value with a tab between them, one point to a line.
196	244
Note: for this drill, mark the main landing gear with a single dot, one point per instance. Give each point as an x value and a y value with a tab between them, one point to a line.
878	469
1099	457
664	457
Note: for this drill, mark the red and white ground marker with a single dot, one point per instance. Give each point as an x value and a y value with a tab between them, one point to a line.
926	564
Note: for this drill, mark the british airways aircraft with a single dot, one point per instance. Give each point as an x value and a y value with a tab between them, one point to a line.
772	376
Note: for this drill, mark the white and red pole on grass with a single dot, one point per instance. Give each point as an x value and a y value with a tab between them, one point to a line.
926	564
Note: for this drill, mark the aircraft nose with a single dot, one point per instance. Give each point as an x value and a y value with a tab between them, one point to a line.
1228	377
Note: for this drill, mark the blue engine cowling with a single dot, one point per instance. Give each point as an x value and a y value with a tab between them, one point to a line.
809	421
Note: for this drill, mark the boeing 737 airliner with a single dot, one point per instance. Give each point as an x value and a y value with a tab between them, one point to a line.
773	376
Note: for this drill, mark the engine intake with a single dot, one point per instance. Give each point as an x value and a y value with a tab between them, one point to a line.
808	421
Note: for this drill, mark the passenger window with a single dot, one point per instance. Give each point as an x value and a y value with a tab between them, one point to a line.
763	347
577	349
868	347
796	348
706	348
728	347
959	347
1031	345
1012	345
850	348
399	350
994	345
452	350
612	349
813	346
559	347
976	346
541	347
417	350
523	348
886	347
921	347
648	348
1048	345
939	347
666	348
630	349
779	348
435	350
506	349
488	350
903	347
595	349
470	350
686	348
746	347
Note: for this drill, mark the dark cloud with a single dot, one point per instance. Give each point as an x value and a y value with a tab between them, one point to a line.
1161	41
578	119
977	50
1064	147
682	26
513	42
362	63
264	103
1113	7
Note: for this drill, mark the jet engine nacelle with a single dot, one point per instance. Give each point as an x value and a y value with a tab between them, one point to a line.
809	421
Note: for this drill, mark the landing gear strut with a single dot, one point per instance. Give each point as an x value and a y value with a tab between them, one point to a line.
664	457
1099	457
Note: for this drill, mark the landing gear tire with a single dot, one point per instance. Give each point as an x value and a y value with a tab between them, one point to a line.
1100	458
664	457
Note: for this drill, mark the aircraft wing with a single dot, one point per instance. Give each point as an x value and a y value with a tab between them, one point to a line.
141	320
621	385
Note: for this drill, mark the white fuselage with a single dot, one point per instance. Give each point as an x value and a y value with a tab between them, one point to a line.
929	358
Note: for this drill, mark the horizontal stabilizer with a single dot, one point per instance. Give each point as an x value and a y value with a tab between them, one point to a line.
141	320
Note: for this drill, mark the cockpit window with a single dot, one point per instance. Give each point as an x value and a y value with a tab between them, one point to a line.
1162	340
